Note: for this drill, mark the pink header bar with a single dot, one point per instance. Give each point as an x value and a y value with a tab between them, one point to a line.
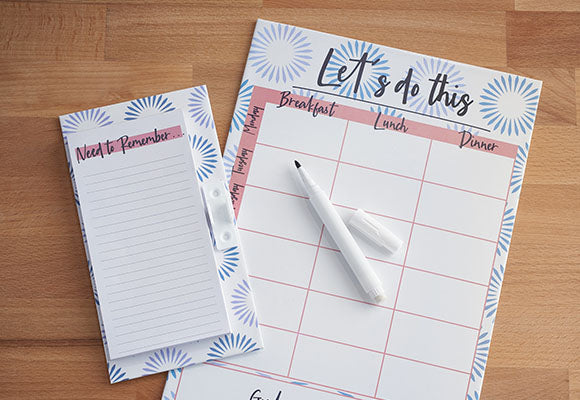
125	143
322	108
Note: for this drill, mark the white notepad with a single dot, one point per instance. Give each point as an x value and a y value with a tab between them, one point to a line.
150	246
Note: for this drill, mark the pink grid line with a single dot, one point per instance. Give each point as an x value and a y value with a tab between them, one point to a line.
362	301
375	213
370	258
403	268
379	170
317	250
489	281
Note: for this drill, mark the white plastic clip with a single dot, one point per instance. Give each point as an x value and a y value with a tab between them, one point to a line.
220	213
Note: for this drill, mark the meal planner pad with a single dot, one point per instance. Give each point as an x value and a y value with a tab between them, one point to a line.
442	169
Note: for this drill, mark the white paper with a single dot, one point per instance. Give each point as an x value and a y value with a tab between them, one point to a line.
148	240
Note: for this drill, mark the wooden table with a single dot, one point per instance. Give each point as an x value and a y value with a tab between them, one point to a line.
60	57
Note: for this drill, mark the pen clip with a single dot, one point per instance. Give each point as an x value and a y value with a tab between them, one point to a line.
220	213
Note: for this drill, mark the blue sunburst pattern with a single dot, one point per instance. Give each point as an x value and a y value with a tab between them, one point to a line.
308	93
205	156
280	52
83	120
229	160
116	374
519	166
244	96
460	128
473	396
242	304
428	68
481	353
164	358
493	293
170	396
387	111
228	262
509	104
146	106
199	107
92	275
369	82
231	343
507	227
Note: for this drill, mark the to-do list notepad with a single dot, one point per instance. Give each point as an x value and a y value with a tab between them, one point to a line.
150	247
433	149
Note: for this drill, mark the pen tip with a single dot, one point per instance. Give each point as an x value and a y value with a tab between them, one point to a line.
298	165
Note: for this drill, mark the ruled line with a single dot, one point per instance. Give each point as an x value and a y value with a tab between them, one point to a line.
167	298
168	324
139	199
135	165
155	249
158	309
136	183
164	290
147	206
161	316
154	258
160	283
173	340
155	266
148	216
159	239
137	191
142	226
151	233
136	173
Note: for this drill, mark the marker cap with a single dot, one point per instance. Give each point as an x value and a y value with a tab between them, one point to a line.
374	231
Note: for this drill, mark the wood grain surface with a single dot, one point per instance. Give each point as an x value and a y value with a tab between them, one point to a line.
63	56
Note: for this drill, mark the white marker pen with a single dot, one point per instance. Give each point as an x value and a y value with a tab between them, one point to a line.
352	253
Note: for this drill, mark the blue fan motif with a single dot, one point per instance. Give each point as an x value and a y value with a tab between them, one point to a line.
229	160
92	275
172	374
428	68
244	96
116	374
308	93
509	104
242	305
519	165
205	156
345	394
168	358
461	128
72	178
199	107
387	111
481	353
507	227
369	82
474	396
147	106
83	120
231	344
280	52
493	293
171	396
228	262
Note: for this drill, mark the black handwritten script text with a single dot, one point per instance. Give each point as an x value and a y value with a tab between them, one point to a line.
257	395
313	106
469	141
353	71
